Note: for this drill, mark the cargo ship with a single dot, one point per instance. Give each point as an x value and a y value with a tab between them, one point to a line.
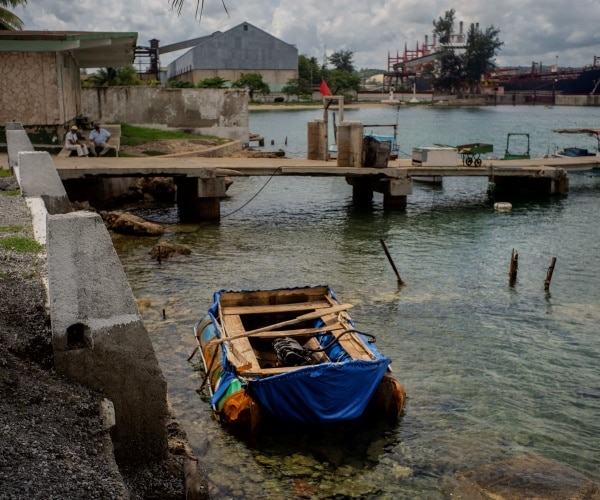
566	81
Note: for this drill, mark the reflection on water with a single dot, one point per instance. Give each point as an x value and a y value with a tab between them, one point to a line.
491	371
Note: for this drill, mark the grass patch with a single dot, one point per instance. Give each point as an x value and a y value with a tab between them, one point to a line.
11	192
5	173
21	244
134	136
10	229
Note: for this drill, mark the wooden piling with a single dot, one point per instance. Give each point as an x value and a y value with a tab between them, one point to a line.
549	274
389	257
514	267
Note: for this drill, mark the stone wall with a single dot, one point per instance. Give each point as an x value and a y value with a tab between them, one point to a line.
40	90
217	112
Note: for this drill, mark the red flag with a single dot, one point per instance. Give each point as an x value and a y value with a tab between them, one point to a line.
324	89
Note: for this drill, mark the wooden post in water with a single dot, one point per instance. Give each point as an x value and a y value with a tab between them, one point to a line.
514	267
549	274
389	257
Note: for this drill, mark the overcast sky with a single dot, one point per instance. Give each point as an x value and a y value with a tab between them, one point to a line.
532	30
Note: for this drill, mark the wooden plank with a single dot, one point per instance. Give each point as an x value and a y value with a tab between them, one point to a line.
270	371
232	325
275	308
294	321
263	297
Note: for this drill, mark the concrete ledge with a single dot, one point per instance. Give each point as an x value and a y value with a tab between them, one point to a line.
39	179
16	142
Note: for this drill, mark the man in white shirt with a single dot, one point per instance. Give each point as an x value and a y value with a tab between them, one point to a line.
73	143
99	138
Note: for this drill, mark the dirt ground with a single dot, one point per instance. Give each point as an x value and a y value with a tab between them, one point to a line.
169	146
53	441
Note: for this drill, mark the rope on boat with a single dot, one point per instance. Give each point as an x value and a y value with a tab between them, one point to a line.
336	338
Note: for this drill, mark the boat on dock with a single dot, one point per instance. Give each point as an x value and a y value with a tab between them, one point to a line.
573	152
293	354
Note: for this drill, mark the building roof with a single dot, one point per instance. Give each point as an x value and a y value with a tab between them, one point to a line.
90	49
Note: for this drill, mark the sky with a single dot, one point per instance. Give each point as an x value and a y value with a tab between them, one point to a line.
541	31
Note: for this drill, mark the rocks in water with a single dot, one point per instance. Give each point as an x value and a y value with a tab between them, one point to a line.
526	476
166	250
126	223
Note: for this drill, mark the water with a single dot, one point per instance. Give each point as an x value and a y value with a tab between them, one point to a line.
491	371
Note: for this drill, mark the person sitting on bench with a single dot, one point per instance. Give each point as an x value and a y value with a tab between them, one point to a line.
73	143
98	138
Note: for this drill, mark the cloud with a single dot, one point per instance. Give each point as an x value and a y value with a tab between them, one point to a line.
530	29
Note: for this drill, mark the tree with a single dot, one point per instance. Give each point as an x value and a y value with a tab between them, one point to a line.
309	69
458	70
8	20
482	47
180	84
127	75
110	77
444	27
253	82
342	81
342	60
104	77
214	82
297	87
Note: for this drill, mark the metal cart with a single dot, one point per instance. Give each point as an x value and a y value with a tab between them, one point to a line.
471	153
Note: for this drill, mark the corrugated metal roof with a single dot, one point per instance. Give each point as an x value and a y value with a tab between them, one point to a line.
91	49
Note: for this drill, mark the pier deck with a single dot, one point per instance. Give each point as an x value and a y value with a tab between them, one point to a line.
77	168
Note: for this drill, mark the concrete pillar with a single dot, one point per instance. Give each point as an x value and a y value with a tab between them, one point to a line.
362	190
317	147
200	198
98	336
395	195
547	181
350	144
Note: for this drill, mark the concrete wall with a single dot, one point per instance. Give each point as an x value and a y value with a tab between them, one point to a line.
218	112
98	336
276	79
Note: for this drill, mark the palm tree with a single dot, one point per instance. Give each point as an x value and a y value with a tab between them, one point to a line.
105	77
8	20
178	4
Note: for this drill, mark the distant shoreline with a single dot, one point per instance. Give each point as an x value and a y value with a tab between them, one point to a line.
288	107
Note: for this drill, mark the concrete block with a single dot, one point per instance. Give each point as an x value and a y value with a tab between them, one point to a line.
98	336
39	179
16	141
435	157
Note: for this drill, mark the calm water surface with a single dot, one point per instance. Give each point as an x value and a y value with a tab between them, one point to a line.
491	371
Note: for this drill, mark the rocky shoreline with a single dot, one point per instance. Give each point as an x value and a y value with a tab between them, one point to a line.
54	441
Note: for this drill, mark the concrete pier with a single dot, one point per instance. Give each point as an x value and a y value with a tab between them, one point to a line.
201	181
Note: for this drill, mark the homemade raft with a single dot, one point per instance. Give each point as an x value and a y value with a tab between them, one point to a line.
293	354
